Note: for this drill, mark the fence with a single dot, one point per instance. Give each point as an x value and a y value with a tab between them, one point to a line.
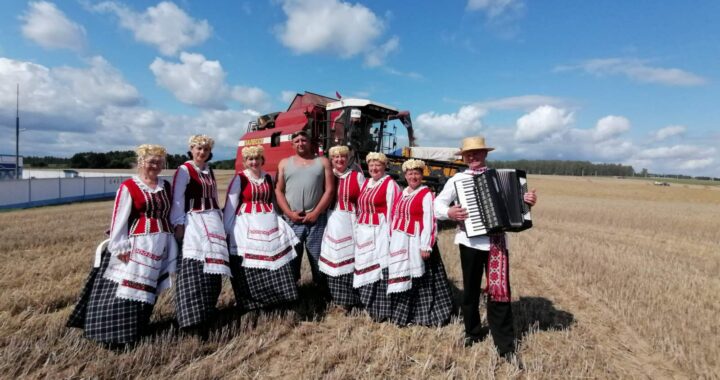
26	193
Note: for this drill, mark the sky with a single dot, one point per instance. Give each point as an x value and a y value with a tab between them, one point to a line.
630	82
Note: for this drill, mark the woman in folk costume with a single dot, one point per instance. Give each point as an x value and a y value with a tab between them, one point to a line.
133	266
197	218
337	254
261	242
417	284
372	237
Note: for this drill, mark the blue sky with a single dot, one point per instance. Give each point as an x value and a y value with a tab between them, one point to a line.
632	82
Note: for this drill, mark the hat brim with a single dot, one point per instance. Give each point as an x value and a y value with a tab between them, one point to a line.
461	151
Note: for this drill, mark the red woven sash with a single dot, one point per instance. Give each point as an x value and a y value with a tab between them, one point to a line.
498	285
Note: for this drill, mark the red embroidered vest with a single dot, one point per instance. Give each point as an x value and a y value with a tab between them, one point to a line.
150	212
253	197
372	202
348	191
200	191
409	210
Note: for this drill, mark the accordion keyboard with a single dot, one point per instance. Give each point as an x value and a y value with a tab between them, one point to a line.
468	199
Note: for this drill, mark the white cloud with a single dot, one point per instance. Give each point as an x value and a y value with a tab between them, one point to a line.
522	102
407	74
542	123
63	98
676	152
376	57
144	125
287	96
68	110
164	26
495	8
200	82
609	127
123	128
48	26
334	27
195	81
680	159
669	131
253	97
433	127
637	70
608	151
607	141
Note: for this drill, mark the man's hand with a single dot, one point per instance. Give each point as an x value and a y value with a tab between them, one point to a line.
457	213
311	217
179	232
296	217
530	197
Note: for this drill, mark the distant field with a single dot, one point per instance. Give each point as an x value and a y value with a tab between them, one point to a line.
680	181
617	279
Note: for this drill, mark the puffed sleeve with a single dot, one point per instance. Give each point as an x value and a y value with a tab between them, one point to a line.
232	200
215	188
429	230
447	196
119	236
180	182
391	196
360	179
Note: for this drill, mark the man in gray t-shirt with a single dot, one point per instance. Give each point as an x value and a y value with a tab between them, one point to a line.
304	190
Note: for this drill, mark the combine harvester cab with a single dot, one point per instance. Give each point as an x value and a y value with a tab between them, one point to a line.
274	131
361	124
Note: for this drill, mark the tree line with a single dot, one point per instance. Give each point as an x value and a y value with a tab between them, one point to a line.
561	167
117	159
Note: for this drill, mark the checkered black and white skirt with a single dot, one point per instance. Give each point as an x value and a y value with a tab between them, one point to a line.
375	300
104	317
342	291
196	293
429	301
257	288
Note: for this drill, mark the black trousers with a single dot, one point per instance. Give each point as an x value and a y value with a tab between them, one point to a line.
499	314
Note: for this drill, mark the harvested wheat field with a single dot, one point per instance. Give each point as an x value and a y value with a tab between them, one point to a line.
617	279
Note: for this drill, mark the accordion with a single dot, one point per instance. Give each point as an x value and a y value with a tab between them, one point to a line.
494	202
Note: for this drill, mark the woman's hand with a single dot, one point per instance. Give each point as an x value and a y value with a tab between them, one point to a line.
425	255
457	213
124	257
179	232
530	197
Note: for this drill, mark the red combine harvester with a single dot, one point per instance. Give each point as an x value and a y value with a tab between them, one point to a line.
361	124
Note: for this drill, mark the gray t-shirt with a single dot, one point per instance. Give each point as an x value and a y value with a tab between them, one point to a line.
304	185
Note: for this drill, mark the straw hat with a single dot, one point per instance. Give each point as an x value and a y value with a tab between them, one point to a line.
474	143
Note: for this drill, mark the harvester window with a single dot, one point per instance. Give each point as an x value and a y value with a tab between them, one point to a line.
275	139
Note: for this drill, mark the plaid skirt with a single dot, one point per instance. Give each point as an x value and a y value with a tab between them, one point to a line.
196	293
375	299
257	288
104	317
342	291
429	301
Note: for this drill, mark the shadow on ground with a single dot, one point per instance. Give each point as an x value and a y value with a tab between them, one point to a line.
529	313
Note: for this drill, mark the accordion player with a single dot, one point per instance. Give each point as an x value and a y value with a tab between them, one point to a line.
494	202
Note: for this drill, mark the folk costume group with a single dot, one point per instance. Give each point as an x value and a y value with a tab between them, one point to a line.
370	244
